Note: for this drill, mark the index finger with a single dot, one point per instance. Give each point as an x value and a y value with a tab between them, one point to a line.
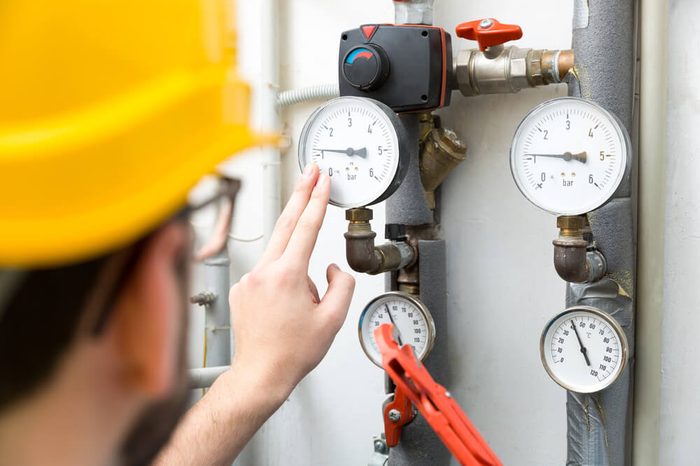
303	239
290	215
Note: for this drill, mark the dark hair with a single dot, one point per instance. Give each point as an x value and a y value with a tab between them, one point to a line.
39	324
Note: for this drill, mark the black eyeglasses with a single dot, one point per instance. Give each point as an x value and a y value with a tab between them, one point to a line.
225	194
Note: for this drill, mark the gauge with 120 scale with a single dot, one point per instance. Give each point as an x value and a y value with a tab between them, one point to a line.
569	156
411	318
360	144
584	349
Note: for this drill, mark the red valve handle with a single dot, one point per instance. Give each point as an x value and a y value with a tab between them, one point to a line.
392	427
489	32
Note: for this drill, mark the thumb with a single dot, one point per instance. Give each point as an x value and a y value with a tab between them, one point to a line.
336	301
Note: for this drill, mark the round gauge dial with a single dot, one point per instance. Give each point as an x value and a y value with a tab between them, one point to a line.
569	156
584	349
358	142
411	318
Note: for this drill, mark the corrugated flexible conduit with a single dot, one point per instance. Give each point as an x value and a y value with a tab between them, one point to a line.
308	94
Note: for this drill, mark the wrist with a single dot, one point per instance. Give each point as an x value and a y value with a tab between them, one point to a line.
256	384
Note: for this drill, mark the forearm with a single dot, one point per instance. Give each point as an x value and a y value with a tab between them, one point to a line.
217	428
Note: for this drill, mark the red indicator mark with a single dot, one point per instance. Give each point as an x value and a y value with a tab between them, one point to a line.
368	31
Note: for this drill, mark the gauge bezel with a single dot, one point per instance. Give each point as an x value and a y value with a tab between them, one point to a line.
402	147
616	327
422	308
619	130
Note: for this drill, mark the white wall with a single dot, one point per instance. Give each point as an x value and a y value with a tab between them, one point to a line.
502	286
680	378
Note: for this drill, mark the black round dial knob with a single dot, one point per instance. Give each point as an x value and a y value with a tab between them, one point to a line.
366	67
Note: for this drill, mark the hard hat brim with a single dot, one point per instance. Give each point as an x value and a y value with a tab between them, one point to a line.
80	235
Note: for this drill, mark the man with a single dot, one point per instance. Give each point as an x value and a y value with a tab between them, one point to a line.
109	113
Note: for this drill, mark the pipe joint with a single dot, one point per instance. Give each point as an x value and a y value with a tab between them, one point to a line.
500	70
204	298
575	258
442	151
413	11
363	256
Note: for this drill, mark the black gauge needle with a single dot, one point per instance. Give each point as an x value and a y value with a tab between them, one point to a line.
349	151
584	351
398	332
567	156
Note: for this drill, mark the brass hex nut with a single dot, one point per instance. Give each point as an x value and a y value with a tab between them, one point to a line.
361	214
571	222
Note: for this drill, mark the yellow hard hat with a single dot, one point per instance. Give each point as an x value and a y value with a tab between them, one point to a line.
110	111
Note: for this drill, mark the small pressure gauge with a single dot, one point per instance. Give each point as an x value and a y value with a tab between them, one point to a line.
361	144
569	156
584	349
411	318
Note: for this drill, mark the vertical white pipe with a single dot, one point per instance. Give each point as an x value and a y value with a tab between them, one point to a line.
680	356
650	259
269	114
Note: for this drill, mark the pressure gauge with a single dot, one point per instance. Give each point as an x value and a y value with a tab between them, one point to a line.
569	156
410	317
584	349
360	143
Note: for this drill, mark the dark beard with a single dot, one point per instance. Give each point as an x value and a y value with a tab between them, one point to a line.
153	428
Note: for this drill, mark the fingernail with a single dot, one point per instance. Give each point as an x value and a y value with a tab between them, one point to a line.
334	267
309	169
324	178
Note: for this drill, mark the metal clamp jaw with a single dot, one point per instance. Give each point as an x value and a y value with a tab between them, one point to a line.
435	403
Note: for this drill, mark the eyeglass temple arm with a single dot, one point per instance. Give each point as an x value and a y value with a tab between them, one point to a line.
219	238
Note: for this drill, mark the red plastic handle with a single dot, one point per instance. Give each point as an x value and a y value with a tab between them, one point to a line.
392	428
489	32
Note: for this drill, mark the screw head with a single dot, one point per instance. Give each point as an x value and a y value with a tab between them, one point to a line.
486	23
394	415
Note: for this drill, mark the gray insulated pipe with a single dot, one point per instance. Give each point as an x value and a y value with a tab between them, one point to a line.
419	445
600	424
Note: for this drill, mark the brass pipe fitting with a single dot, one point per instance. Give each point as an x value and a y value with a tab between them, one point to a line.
510	69
575	260
442	152
361	253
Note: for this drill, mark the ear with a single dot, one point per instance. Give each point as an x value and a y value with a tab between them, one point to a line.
149	316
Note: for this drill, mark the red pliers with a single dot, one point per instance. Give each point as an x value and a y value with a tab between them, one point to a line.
415	384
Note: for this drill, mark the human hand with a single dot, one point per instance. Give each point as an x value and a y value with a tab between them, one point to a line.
282	328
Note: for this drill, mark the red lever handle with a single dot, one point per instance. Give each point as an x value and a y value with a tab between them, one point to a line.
489	32
403	409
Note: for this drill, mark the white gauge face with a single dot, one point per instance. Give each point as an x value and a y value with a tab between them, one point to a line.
569	156
355	141
584	349
411	318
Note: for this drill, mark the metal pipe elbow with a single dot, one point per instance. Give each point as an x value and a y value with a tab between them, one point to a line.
575	263
360	252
